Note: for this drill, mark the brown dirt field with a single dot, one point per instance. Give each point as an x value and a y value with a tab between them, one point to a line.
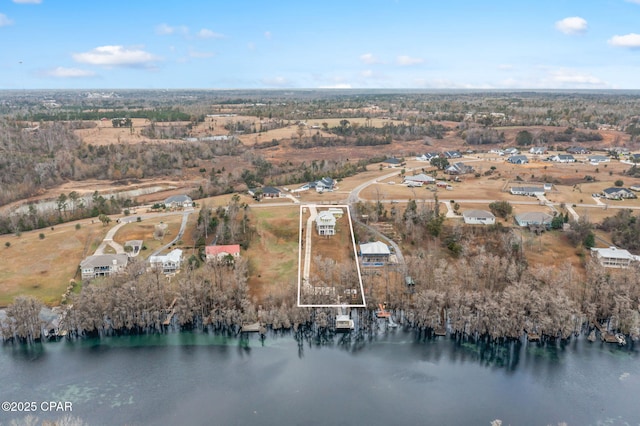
550	249
43	268
105	134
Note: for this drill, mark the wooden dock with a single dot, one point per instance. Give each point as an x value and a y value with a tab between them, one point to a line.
171	310
256	327
533	337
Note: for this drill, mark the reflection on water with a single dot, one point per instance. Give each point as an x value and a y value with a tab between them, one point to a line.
394	377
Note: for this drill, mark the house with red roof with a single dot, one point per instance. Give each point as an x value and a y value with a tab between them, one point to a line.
222	252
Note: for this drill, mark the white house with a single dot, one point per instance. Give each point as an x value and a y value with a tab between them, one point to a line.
597	159
419	178
538	150
615	193
168	263
178	202
326	223
103	265
532	191
613	257
563	158
478	217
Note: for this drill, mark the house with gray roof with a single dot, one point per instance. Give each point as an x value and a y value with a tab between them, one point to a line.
518	159
532	191
181	201
613	257
478	217
103	265
326	223
597	159
534	218
168	263
615	193
376	253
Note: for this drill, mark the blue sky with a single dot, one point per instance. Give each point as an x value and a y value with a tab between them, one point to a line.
516	44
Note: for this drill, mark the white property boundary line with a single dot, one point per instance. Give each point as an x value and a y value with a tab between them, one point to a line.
355	256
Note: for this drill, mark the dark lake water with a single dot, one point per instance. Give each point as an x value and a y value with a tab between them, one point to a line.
391	379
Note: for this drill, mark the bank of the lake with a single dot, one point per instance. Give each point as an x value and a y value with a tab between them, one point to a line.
392	378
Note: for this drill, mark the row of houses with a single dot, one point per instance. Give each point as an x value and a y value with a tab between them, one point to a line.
105	265
447	154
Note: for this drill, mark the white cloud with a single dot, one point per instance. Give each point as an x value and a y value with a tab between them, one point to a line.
116	56
196	54
569	77
505	67
369	59
276	81
267	35
206	33
405	60
4	20
572	25
27	1
337	86
631	40
62	72
166	29
633	1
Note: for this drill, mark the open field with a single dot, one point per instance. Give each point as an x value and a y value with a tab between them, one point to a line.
43	267
273	254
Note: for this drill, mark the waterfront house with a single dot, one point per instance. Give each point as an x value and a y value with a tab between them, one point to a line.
222	252
613	257
103	265
168	263
376	253
326	223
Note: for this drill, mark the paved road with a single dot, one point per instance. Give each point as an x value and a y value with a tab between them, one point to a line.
183	225
108	239
313	212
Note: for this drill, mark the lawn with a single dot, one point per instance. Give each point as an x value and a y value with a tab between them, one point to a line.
42	268
273	253
144	231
